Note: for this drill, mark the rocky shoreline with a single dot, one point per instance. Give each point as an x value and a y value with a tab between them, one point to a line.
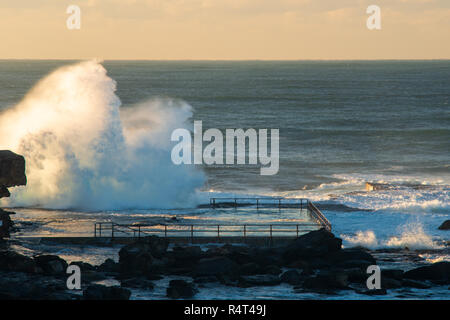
315	262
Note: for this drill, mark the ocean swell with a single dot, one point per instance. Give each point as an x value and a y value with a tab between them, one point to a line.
84	151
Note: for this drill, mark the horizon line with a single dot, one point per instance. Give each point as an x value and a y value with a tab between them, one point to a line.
220	60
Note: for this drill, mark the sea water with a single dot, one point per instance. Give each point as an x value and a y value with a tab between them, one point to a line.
97	141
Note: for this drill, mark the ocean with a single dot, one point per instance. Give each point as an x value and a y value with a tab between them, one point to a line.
96	137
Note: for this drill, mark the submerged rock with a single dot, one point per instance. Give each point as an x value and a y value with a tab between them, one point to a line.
19	286
13	261
292	277
374	292
51	264
215	266
438	272
138	283
351	258
181	289
139	258
326	282
109	266
445	225
100	292
259	280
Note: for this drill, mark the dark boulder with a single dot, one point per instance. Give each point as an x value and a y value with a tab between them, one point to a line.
100	292
84	266
374	292
13	261
415	284
206	279
6	223
259	280
180	289
4	192
389	283
137	283
351	258
20	286
51	264
318	243
109	266
215	266
182	260
12	169
250	268
138	258
271	269
187	253
438	272
393	274
355	275
327	282
445	225
292	277
154	245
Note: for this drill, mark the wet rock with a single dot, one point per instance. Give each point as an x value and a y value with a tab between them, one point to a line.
266	256
327	282
393	274
445	225
318	243
137	283
180	289
292	277
91	276
389	283
13	261
215	266
4	192
206	279
187	253
243	254
182	259
351	258
250	268
374	292
19	286
6	223
84	266
271	269
51	264
153	246
438	272
109	266
356	275
100	292
415	284
12	169
259	280
136	259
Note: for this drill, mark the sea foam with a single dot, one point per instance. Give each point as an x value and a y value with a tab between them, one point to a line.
83	150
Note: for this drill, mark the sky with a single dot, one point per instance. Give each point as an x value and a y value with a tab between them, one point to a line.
224	30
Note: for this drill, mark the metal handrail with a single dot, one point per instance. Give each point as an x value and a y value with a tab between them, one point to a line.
193	229
139	229
318	215
263	202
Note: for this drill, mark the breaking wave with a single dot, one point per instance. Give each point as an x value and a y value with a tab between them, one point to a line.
412	236
84	151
